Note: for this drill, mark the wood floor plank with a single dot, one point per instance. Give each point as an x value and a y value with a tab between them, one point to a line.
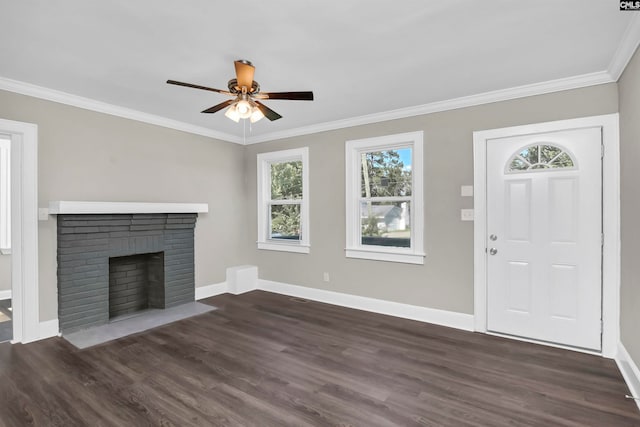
264	359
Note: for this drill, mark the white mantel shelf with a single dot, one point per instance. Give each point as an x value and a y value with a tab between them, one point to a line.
71	207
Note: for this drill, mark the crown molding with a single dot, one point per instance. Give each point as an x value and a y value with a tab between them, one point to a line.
550	86
114	110
558	85
626	48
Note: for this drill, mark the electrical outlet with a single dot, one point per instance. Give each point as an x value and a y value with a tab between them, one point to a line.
325	276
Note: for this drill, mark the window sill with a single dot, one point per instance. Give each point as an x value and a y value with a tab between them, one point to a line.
5	251
284	247
377	255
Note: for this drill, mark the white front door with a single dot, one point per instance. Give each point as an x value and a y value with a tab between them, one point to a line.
544	237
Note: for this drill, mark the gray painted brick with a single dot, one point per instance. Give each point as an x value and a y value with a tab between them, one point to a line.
85	243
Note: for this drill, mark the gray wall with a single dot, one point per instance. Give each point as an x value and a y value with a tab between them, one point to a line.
5	272
84	155
629	86
446	279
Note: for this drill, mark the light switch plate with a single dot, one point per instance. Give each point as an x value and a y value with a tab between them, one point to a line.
466	190
466	214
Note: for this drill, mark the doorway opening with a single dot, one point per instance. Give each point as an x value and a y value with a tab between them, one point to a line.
24	229
6	312
485	252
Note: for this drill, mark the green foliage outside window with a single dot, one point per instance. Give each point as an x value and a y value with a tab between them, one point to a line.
286	180
286	184
384	174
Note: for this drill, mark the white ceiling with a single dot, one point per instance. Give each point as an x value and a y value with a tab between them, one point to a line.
358	57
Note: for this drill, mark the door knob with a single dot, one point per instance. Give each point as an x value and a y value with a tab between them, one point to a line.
493	237
493	251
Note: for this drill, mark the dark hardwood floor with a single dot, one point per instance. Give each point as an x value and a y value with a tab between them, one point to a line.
269	360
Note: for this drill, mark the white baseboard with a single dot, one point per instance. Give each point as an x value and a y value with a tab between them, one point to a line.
211	290
629	370
451	319
422	314
48	329
5	295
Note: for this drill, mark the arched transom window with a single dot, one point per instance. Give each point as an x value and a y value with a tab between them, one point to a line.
540	156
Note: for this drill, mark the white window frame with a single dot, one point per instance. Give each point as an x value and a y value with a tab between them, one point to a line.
265	160
5	195
354	248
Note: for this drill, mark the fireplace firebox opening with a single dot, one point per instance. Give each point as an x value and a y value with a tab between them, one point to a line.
136	283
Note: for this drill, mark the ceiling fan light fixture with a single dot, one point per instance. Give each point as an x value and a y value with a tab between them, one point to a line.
245	93
232	113
256	115
244	109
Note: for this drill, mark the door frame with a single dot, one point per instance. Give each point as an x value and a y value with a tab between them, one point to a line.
610	218
24	229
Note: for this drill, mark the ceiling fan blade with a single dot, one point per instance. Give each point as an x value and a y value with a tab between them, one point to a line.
296	96
173	82
268	112
219	107
244	73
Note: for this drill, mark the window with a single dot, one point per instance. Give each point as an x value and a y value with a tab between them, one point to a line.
540	156
283	200
384	198
5	195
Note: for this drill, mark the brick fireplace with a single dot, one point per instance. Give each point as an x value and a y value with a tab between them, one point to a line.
116	264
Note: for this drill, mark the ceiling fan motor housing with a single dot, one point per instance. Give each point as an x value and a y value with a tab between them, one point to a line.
235	89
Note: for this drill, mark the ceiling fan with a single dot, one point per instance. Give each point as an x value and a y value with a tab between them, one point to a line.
246	95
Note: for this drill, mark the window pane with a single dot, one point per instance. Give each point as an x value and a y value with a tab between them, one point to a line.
386	173
540	156
285	222
386	224
286	180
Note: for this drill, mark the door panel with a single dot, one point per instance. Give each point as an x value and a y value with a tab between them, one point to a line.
518	210
544	208
519	282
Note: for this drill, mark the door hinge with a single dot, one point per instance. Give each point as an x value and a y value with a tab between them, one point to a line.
602	151
602	239
601	326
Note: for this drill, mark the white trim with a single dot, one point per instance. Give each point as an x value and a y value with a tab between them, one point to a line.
354	249
264	161
24	229
422	314
111	109
70	207
575	82
284	247
5	195
417	258
629	370
211	290
558	85
48	329
626	48
610	218
4	295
